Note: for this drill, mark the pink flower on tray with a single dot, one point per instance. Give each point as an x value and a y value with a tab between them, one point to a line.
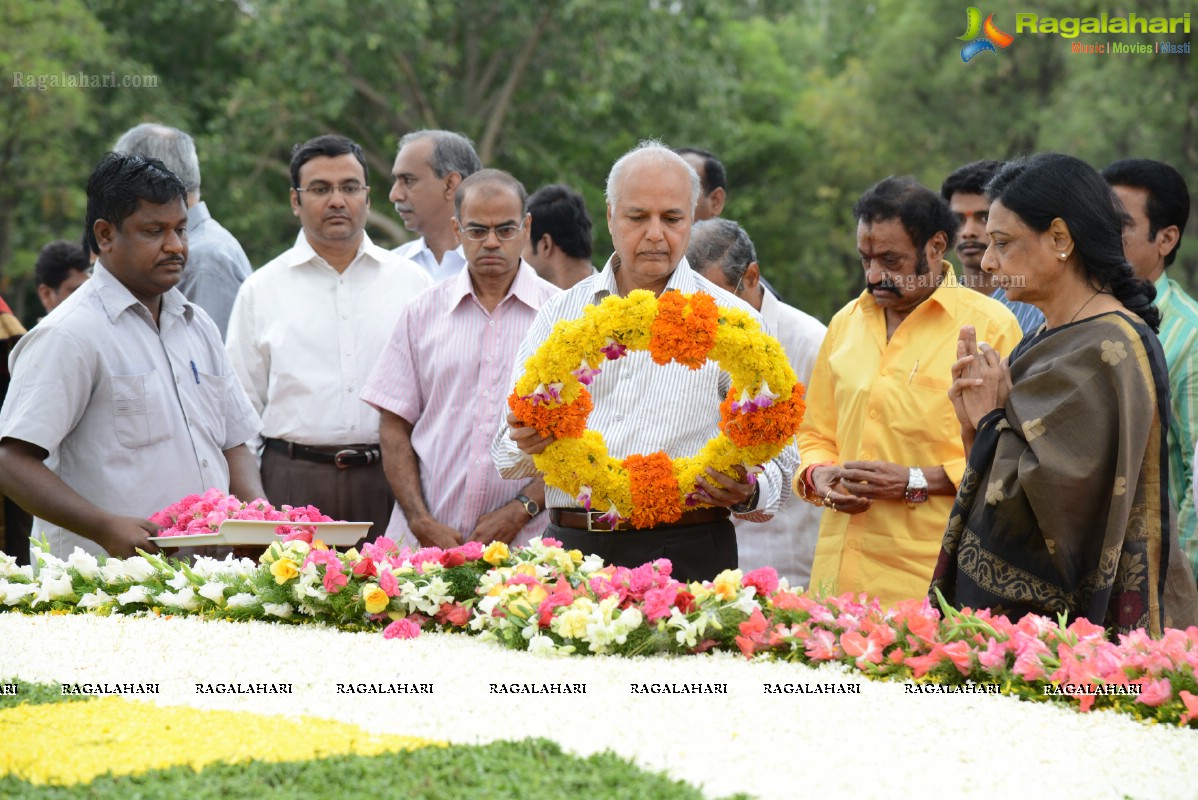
334	579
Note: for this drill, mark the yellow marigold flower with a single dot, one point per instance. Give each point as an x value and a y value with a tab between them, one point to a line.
496	553
284	570
374	598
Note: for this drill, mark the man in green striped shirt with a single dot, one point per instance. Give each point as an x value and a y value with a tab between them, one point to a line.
1157	203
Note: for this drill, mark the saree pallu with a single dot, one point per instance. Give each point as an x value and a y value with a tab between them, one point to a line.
1063	508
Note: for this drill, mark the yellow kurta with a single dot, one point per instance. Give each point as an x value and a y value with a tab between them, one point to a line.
873	400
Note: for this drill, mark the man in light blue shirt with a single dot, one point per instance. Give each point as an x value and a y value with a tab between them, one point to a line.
965	192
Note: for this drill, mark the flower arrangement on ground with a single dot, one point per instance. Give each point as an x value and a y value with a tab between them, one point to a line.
756	421
551	601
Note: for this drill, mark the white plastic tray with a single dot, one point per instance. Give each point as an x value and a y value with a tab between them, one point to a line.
254	532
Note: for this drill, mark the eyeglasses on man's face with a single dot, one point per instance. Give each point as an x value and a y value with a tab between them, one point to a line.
325	190
478	233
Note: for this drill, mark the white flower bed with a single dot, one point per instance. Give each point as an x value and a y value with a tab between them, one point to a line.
880	742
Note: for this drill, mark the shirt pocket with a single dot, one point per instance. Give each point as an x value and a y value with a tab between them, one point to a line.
141	416
214	404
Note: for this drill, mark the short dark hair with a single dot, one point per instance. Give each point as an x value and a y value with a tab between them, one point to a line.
561	212
724	243
1168	196
452	152
493	176
712	174
1045	186
120	182
969	179
920	210
329	145
57	260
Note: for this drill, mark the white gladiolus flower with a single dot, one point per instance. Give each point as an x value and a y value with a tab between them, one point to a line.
178	582
138	569
112	572
242	600
84	563
94	599
135	594
214	591
281	610
8	566
13	593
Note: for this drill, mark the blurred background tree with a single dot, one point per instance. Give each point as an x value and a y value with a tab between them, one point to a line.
807	102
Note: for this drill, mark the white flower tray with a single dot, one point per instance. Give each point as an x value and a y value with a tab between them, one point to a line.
255	532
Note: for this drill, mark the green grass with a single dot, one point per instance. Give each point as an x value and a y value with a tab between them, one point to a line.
36	693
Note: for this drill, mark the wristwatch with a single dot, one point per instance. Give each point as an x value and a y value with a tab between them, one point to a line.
529	504
917	487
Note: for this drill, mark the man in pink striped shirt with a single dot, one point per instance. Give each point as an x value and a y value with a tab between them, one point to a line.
441	382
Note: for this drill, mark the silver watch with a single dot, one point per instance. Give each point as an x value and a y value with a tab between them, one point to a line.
917	487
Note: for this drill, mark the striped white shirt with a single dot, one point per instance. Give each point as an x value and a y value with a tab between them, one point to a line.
641	407
445	370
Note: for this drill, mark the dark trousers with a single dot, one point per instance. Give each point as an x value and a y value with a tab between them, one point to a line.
356	494
698	552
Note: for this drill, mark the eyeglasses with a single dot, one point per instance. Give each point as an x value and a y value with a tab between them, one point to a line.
479	233
323	190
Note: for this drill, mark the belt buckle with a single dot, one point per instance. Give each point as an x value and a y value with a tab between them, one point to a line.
591	516
343	453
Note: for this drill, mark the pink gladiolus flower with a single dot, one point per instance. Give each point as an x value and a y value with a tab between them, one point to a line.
585	373
658	602
584	497
402	629
1028	666
786	601
865	650
334	579
1085	629
613	349
1155	692
388	583
471	551
764	580
960	654
324	557
364	568
1190	701
994	657
821	646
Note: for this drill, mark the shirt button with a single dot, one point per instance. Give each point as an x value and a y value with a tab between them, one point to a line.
346	316
205	463
486	394
349	390
491	323
488	359
176	379
619	418
873	414
885	372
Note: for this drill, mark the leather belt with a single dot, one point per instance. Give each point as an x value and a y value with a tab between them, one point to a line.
579	519
353	455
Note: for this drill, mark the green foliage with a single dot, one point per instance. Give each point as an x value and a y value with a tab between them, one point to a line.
516	770
807	103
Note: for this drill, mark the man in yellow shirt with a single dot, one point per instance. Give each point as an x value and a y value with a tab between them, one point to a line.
880	444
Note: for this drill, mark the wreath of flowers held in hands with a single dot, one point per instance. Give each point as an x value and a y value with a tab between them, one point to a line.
756	422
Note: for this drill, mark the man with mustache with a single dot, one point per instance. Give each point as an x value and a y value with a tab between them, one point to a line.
965	191
428	169
881	445
122	399
305	332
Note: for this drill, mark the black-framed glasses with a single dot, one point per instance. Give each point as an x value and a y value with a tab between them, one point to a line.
323	190
478	233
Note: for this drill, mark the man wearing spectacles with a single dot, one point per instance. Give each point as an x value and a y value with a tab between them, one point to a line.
429	167
441	382
306	330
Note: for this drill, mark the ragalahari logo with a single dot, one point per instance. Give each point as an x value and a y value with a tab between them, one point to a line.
991	35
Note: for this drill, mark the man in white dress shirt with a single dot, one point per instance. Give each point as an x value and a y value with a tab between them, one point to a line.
305	332
122	399
640	407
428	168
722	252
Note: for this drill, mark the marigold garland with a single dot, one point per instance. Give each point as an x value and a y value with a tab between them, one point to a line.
756	421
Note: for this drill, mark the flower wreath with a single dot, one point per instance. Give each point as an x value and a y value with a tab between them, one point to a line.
756	422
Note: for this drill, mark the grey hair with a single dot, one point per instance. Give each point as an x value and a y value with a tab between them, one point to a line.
650	149
452	152
723	243
171	146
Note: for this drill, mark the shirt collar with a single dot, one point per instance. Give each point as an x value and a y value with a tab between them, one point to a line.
1163	288
303	252
197	215
115	298
523	286
682	279
769	309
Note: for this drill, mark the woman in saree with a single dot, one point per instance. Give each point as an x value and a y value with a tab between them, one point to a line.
1063	508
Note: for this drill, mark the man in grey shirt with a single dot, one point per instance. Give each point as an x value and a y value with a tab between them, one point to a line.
216	265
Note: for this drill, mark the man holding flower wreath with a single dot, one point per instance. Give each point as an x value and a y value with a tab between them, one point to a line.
638	406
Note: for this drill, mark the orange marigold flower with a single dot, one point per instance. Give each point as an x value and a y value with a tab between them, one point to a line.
655	494
684	329
566	421
775	424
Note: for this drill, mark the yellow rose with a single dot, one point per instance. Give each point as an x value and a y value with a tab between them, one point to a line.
374	598
577	556
526	568
496	553
727	584
284	570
